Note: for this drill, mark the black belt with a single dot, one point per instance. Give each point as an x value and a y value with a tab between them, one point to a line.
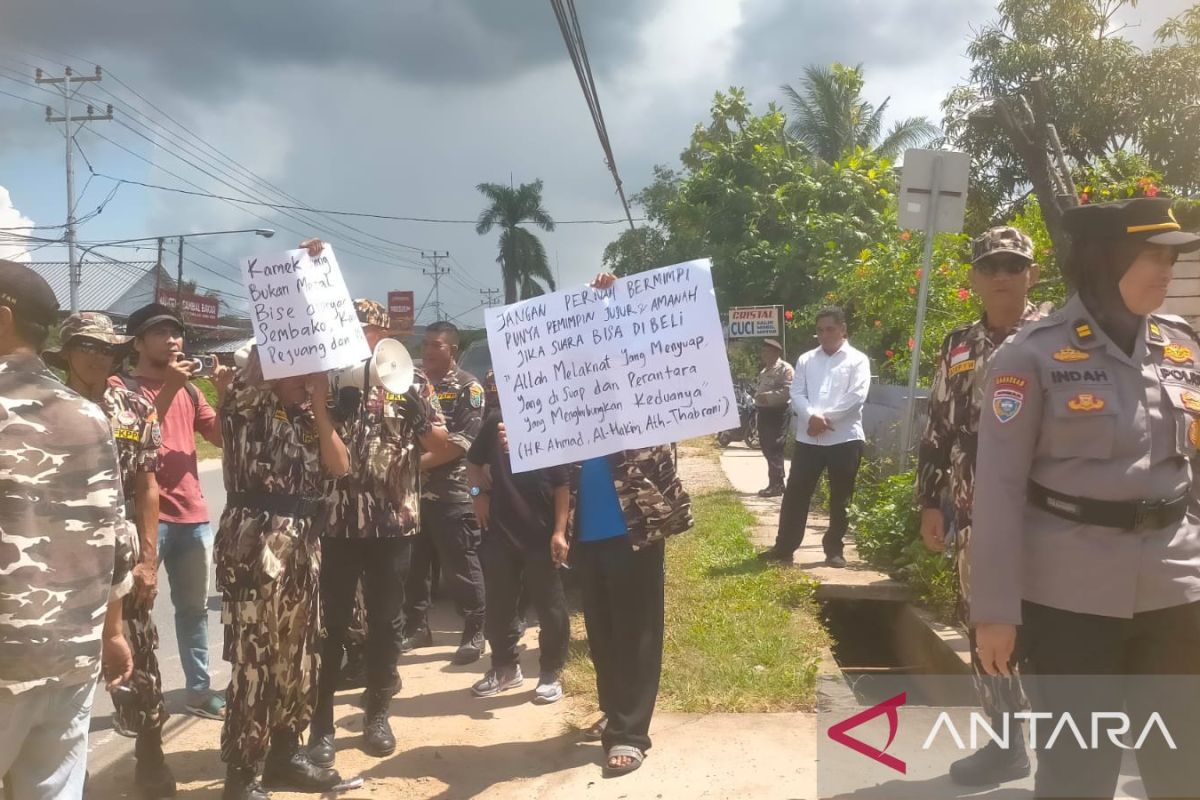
283	505
1131	515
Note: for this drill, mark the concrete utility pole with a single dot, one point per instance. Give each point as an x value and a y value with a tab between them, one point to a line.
490	297
67	86
435	258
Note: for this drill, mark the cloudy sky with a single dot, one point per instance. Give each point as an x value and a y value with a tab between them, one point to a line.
401	108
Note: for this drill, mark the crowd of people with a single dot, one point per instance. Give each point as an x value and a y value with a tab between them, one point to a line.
338	505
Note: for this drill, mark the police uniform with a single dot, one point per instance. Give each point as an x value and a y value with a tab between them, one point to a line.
448	521
1087	519
772	396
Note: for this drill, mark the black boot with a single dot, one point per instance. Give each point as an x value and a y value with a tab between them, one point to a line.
354	671
472	645
419	636
378	740
151	774
241	783
993	764
288	767
320	749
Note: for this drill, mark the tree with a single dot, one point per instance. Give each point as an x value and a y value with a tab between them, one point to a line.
522	257
831	119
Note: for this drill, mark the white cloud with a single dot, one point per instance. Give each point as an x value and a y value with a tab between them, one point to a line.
11	218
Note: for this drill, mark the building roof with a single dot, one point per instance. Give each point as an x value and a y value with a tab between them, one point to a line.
103	283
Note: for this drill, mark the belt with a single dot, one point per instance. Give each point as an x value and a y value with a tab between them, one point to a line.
1131	515
283	505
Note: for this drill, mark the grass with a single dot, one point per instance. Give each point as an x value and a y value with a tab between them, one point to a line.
740	636
205	449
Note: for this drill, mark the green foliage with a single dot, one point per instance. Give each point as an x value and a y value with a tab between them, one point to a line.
522	259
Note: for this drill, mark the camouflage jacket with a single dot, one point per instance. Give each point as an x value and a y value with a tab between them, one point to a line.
946	460
381	495
653	500
773	389
268	449
461	398
66	549
138	436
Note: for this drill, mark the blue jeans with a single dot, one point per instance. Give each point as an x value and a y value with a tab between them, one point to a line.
43	741
186	550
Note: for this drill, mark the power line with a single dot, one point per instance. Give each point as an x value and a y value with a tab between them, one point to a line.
437	273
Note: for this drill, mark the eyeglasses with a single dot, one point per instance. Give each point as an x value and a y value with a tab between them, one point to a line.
1009	266
92	348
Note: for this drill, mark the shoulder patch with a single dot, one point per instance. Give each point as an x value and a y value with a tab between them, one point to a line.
1008	396
476	396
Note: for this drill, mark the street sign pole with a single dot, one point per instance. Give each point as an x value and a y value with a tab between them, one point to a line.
914	367
782	332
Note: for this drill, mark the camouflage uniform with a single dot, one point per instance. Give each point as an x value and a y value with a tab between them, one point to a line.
449	527
268	558
946	468
772	395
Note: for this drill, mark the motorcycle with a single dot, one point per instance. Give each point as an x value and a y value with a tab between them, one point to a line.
747	431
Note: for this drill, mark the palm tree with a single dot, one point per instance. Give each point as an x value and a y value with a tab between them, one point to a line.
831	117
522	257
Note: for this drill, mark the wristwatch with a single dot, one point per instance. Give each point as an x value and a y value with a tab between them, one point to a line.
476	491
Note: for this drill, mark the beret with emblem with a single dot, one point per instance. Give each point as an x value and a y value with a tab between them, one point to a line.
84	325
1001	239
1149	219
371	313
27	293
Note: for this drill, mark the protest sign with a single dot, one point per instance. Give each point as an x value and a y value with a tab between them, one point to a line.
303	317
587	372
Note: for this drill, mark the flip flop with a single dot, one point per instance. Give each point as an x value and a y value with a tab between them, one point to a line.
628	751
595	731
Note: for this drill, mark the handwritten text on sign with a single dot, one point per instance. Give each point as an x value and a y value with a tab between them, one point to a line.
590	372
304	320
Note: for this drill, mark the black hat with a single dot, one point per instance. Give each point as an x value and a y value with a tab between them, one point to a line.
1148	219
148	315
27	293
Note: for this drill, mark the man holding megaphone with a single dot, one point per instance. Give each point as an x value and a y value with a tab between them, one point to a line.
388	416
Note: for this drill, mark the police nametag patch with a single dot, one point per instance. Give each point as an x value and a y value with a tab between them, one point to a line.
961	367
1085	402
447	397
1071	354
476	396
1177	354
394	398
1008	395
127	434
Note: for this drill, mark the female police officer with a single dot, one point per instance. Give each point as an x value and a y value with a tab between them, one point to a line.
1087	520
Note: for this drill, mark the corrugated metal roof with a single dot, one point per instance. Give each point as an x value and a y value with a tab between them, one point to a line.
102	285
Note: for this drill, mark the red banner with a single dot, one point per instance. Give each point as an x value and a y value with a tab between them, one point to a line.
198	310
401	311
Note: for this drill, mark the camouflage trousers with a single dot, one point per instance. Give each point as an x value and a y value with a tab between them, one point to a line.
997	694
271	639
145	709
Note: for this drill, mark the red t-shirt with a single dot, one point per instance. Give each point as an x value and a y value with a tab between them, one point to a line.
179	496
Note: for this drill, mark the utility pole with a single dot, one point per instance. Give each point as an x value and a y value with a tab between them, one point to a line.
67	86
179	284
490	297
158	269
435	258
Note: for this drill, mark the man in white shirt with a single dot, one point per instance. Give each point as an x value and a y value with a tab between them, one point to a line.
828	392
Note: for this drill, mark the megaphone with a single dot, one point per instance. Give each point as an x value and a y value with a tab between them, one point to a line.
390	366
242	357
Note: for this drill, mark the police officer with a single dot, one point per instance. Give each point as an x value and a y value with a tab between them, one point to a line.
282	453
87	351
1086	518
1002	272
771	400
448	521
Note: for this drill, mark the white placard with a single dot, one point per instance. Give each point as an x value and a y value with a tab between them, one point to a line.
586	372
304	320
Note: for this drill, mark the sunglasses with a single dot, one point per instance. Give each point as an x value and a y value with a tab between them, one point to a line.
92	348
1007	266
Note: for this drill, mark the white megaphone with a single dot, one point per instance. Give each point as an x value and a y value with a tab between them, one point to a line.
242	357
390	366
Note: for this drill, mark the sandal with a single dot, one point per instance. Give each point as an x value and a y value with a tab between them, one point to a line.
635	756
595	731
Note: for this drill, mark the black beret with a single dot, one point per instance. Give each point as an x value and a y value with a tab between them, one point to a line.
149	315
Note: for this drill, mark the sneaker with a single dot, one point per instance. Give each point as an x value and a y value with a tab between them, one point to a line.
418	637
549	689
497	681
210	706
774	555
835	561
471	649
771	491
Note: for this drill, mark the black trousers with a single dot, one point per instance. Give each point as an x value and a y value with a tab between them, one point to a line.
509	573
383	566
1138	665
451	529
772	433
808	462
623	612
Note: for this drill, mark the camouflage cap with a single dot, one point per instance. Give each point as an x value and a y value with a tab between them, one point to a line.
86	325
371	313
1001	240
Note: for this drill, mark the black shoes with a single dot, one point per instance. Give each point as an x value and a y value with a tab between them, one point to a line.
776	556
289	767
241	783
321	750
774	490
992	764
418	637
472	646
835	561
151	774
378	740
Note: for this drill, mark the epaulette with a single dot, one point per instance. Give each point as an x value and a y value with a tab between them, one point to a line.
1030	328
1176	321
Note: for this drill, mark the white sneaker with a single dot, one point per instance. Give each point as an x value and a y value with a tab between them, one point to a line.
549	690
496	682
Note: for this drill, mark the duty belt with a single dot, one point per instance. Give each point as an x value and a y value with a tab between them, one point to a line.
283	505
1131	515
